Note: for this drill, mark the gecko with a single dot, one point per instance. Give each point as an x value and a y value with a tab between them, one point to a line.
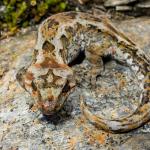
61	38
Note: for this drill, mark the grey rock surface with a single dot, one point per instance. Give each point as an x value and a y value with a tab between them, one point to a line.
129	7
143	4
23	127
111	3
137	142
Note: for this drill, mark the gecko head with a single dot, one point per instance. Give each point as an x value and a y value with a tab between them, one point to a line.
52	99
53	89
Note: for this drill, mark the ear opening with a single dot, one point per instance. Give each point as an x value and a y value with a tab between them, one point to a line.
78	60
107	58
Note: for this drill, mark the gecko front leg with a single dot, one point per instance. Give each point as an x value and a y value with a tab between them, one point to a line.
95	61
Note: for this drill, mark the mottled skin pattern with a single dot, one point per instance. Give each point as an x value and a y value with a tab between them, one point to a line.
50	79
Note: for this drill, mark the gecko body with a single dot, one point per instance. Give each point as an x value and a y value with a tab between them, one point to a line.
61	38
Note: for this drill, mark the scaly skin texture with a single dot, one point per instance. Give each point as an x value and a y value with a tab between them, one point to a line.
61	38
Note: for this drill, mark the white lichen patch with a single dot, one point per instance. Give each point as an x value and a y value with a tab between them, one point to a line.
130	61
135	68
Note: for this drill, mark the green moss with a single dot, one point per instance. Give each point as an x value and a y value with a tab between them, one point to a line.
21	13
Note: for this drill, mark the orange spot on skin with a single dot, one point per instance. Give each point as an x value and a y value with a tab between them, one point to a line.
50	63
29	76
144	108
27	84
34	108
37	65
35	93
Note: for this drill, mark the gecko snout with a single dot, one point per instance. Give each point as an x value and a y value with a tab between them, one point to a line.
48	107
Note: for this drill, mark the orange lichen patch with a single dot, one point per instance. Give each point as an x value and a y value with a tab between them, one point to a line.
72	142
122	84
95	135
101	138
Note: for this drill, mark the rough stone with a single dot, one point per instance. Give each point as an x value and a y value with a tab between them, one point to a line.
143	4
123	8
111	3
134	143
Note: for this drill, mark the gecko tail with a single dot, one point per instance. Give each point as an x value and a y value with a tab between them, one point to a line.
135	120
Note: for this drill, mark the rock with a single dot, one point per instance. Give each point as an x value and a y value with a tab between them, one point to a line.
123	8
83	1
111	3
137	30
136	142
143	4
